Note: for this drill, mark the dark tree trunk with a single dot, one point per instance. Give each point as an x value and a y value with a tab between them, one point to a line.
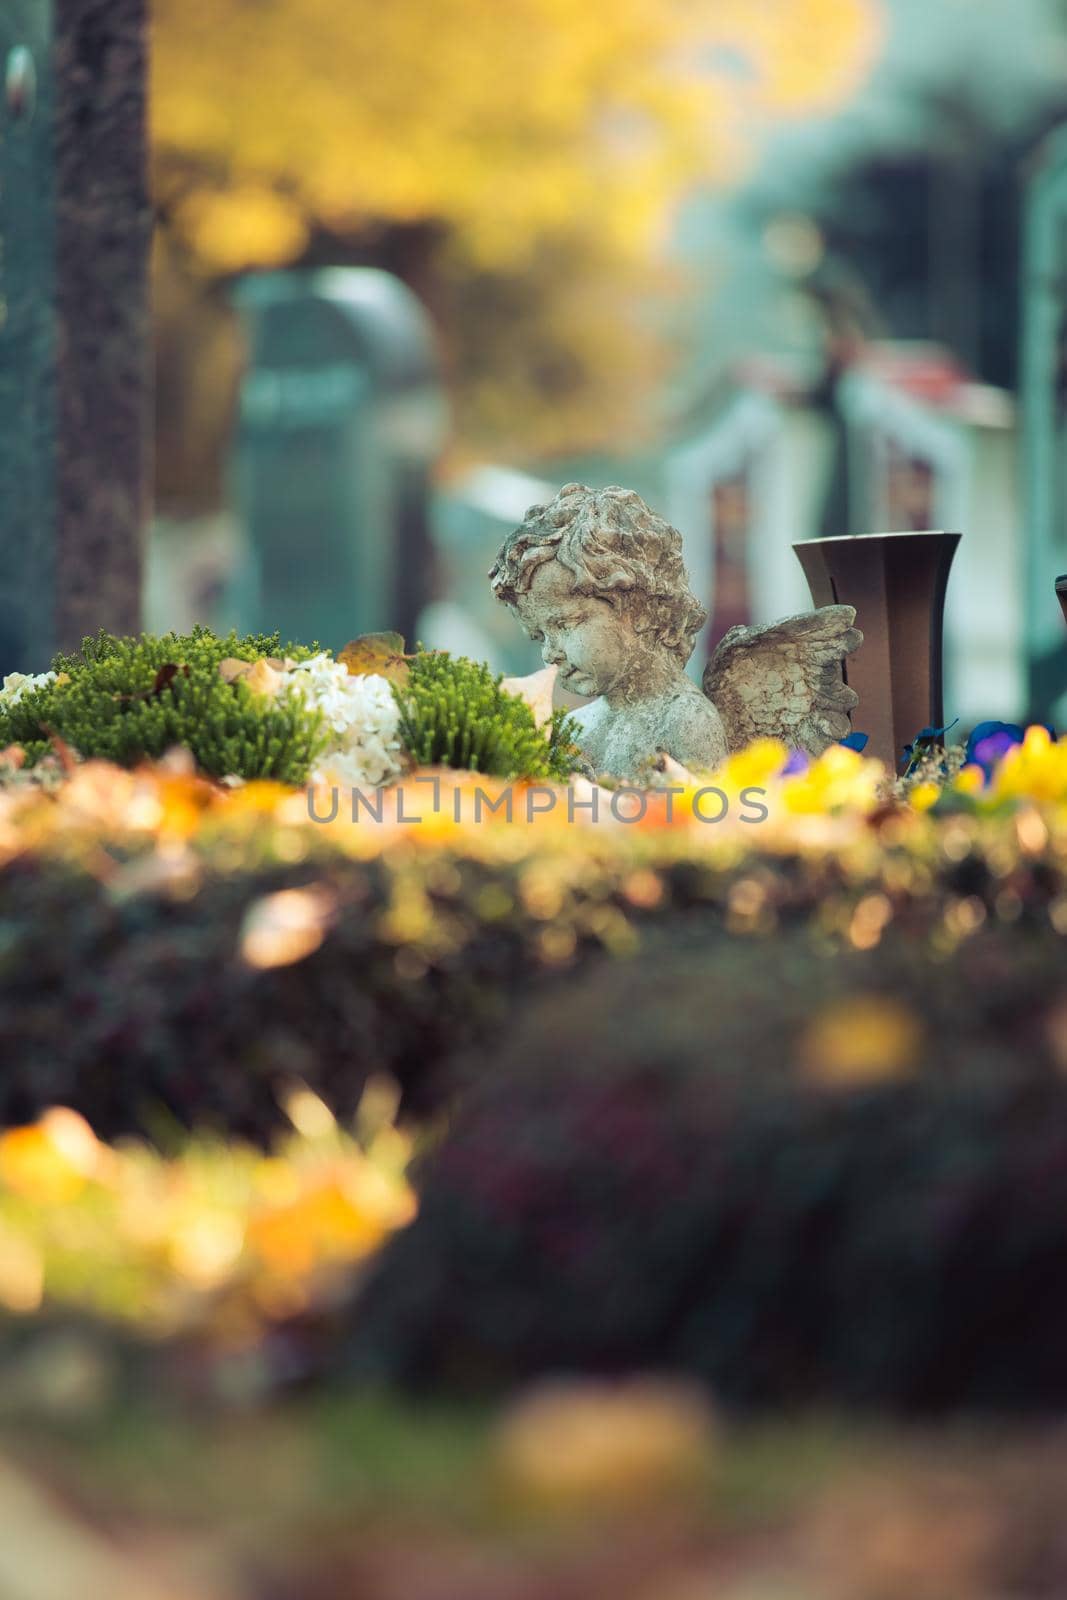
103	234
75	226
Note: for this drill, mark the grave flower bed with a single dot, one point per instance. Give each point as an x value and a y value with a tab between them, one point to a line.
250	707
177	950
815	974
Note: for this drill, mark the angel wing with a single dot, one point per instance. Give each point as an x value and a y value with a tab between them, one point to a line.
785	681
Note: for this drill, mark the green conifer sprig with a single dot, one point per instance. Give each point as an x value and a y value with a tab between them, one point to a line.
123	703
454	713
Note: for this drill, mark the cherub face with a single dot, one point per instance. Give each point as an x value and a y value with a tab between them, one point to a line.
591	641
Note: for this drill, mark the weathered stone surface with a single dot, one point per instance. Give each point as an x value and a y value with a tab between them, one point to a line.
103	233
598	578
75	227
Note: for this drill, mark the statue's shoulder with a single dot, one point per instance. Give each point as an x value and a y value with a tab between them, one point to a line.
692	730
594	721
591	715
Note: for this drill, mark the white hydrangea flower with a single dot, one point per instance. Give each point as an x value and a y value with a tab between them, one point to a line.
18	684
363	715
360	768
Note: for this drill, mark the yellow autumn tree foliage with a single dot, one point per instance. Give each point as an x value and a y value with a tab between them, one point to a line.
539	143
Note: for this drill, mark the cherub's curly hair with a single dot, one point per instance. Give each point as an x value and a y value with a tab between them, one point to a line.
614	546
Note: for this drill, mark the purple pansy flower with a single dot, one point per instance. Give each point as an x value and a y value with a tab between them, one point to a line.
799	761
990	741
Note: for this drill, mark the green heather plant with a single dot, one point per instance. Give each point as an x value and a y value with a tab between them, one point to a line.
894	1245
454	713
125	700
124	992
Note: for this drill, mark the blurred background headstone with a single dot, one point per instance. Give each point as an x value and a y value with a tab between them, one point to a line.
341	419
1044	388
471	516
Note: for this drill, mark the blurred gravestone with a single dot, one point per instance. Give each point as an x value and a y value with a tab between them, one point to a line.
75	227
471	517
1044	386
342	417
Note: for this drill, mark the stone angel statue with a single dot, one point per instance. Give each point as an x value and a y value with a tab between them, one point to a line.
598	580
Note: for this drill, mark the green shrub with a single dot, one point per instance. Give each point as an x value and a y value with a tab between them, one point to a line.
131	699
132	1003
898	1243
120	995
454	713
